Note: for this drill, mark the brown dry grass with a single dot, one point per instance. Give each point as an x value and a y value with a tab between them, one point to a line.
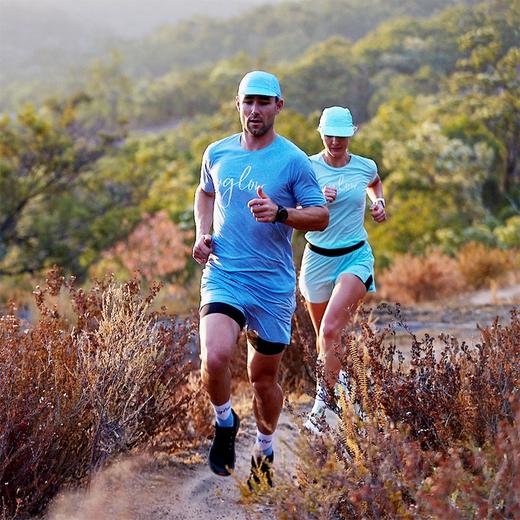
438	438
480	265
106	375
434	275
75	393
414	279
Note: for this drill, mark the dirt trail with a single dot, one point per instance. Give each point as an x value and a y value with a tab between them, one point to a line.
141	488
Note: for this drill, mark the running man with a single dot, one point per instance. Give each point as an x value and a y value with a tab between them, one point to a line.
251	184
338	265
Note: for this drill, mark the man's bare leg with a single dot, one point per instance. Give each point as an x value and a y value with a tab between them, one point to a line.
218	338
263	373
267	393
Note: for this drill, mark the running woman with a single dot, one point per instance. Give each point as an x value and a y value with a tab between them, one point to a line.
338	265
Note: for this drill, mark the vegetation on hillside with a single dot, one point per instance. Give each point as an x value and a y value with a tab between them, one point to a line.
437	100
61	47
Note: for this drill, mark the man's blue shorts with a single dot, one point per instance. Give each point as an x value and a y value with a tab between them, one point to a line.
267	316
319	273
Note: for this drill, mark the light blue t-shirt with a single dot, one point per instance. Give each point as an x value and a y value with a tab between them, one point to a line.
255	253
347	212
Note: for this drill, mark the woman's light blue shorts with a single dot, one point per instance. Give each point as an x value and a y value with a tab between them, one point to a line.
319	273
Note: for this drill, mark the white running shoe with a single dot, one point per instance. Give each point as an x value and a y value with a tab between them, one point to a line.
315	419
312	426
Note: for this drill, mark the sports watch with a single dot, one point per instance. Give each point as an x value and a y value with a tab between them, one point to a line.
281	214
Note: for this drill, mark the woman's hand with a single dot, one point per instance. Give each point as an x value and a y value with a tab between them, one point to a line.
330	193
377	210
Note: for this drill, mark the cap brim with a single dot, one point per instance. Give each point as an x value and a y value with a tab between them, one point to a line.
258	91
337	131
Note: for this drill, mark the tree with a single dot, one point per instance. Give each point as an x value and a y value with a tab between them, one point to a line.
62	203
434	191
326	75
156	247
41	158
488	81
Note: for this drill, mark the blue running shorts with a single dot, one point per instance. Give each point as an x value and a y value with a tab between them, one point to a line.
319	273
267	316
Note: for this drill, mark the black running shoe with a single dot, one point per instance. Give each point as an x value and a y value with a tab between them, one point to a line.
261	472
222	451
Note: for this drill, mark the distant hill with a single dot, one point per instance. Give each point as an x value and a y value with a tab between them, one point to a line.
34	39
45	45
134	18
275	34
44	37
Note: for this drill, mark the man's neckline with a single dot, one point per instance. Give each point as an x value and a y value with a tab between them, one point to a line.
240	141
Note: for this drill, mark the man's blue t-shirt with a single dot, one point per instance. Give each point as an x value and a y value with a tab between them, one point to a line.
347	212
257	254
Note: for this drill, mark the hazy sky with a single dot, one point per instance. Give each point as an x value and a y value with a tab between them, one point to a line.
134	17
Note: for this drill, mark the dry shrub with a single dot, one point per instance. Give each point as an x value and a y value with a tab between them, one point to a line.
194	428
413	279
437	438
299	361
156	247
480	265
477	483
434	275
445	395
75	394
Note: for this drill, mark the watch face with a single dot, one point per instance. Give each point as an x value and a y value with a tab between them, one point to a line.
281	214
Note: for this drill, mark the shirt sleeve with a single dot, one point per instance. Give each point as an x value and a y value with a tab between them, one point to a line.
206	180
306	189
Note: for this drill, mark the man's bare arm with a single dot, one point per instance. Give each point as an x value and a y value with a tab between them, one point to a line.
203	214
311	218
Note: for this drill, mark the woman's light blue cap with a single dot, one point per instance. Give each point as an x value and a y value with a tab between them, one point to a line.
259	83
336	121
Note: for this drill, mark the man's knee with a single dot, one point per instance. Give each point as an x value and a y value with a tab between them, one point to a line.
263	383
215	357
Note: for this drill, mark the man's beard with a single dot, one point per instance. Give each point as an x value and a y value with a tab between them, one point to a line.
257	131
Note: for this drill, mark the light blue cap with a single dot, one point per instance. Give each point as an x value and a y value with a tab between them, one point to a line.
259	83
336	121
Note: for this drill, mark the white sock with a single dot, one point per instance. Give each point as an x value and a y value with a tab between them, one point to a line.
319	401
342	383
264	443
223	414
343	378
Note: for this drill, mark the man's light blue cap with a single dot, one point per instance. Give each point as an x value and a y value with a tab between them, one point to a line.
259	83
337	121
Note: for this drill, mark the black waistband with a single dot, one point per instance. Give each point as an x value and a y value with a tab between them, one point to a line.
335	252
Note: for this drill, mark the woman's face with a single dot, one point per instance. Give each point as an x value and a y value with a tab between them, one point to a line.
335	146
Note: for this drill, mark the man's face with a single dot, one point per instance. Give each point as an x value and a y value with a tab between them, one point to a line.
257	113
